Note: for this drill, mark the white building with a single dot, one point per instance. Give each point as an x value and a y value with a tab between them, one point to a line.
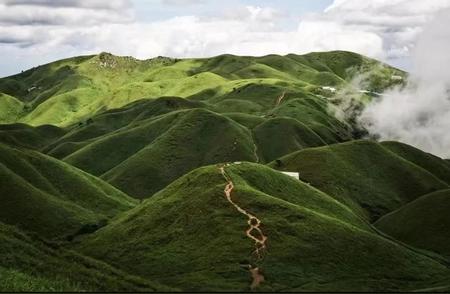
292	175
330	89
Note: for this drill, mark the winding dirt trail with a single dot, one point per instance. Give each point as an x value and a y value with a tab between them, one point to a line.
253	232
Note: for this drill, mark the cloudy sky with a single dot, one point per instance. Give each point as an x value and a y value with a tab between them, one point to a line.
34	32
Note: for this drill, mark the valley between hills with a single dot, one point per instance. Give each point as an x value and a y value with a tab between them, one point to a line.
166	175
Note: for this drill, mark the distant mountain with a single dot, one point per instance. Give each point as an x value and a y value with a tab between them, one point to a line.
237	108
67	91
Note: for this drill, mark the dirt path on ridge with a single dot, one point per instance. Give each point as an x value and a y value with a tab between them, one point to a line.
253	232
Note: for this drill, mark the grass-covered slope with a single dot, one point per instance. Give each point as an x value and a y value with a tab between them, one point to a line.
423	223
61	93
46	196
362	174
143	158
435	165
11	109
22	135
108	122
279	136
191	237
29	264
149	143
248	108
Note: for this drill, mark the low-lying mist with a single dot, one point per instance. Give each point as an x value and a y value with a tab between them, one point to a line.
419	113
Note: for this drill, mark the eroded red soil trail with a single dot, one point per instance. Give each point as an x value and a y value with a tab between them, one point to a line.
253	232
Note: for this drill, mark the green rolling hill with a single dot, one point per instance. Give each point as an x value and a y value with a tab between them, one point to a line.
113	178
199	238
422	223
61	93
435	165
146	158
236	108
30	264
22	135
137	140
46	196
364	175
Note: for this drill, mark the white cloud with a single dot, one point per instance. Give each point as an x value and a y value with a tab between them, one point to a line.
398	22
91	4
322	35
182	2
34	13
379	28
420	113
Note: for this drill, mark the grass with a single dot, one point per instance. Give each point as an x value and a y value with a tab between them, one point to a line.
86	132
362	174
30	264
44	195
149	143
279	136
22	135
422	223
116	123
11	109
198	137
17	281
61	93
198	241
435	165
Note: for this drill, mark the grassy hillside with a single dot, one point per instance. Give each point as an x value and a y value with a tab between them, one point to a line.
422	223
79	136
435	165
61	93
146	145
364	175
279	136
113	120
143	158
22	135
11	109
192	232
49	197
235	108
32	265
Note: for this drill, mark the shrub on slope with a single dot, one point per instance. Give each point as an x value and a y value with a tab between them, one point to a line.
190	237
